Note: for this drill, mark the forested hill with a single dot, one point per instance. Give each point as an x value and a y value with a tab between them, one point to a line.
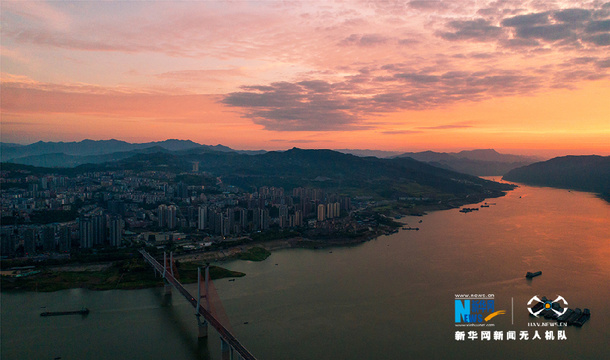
587	173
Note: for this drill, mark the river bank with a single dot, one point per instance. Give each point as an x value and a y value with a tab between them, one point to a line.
122	275
133	273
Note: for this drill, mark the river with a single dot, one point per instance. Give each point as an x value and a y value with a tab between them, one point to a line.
392	297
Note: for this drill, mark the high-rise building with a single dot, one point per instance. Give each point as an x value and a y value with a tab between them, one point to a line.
85	230
48	238
202	219
321	212
65	239
29	241
116	231
8	243
98	229
162	215
264	219
296	219
333	210
226	226
171	217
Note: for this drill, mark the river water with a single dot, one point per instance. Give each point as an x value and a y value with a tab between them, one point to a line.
390	298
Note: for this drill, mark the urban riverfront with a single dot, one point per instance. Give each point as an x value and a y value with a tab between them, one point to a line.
388	298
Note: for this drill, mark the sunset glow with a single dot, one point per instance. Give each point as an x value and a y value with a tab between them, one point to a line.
517	76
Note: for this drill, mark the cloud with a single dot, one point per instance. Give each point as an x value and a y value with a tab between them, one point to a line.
303	106
428	5
572	15
401	132
445	127
552	32
598	26
572	27
477	30
365	40
605	64
417	78
299	141
527	20
201	75
316	105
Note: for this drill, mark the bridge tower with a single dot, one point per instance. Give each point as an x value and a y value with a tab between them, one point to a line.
167	287
203	325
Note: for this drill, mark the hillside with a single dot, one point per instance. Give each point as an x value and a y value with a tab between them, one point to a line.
348	174
587	173
484	162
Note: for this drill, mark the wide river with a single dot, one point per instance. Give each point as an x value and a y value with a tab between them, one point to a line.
389	298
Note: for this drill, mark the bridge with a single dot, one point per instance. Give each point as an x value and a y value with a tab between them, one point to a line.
230	347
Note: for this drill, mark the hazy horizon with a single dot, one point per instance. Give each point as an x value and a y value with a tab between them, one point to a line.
542	153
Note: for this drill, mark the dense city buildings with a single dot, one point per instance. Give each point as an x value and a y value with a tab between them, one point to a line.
50	213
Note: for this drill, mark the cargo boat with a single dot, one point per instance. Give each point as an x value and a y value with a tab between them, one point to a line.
83	311
575	316
566	315
586	314
530	275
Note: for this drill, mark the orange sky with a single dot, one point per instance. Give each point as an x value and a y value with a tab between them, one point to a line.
521	76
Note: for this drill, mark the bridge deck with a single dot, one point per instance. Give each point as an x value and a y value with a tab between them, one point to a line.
224	333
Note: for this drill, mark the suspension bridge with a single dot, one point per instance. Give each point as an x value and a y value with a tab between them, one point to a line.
230	347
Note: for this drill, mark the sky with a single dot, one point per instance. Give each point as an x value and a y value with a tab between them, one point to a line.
528	77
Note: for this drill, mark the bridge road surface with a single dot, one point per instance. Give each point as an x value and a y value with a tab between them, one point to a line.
224	333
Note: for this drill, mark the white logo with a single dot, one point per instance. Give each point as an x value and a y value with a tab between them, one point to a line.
541	306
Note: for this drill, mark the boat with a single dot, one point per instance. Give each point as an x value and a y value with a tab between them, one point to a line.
83	311
530	275
485	205
586	314
577	313
565	316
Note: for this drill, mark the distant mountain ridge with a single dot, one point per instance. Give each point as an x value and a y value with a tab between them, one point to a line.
589	173
53	154
482	162
328	169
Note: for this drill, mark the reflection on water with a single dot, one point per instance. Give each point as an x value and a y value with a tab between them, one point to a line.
387	298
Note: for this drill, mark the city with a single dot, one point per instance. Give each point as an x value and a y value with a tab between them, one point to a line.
50	214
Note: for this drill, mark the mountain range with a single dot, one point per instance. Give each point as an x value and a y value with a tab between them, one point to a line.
327	169
482	162
70	154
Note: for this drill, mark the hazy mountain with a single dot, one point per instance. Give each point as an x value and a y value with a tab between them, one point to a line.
588	173
388	178
65	160
375	153
6	145
94	147
493	155
485	162
55	154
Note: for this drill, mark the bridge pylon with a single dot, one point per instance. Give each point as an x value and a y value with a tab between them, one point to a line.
167	286
203	325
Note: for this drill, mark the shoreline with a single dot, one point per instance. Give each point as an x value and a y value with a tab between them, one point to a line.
87	275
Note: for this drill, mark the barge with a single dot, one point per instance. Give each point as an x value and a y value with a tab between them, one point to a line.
83	311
